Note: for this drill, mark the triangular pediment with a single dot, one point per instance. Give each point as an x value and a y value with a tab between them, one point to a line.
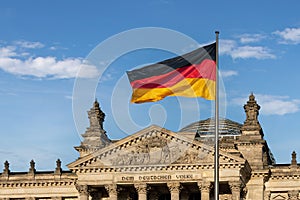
154	146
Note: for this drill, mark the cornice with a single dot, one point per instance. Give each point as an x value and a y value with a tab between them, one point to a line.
25	184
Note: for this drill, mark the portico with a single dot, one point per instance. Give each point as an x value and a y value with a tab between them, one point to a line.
157	191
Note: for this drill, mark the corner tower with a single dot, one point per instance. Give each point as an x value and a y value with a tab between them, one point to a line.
251	143
95	136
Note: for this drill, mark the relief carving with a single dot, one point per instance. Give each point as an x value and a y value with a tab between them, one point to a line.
155	150
192	156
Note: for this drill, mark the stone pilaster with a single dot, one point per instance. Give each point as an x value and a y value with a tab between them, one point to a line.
204	187
293	195
235	190
141	190
112	190
267	195
83	191
174	189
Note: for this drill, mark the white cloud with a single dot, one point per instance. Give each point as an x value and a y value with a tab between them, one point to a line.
231	48
228	73
19	63
250	38
48	67
273	104
257	52
8	51
289	35
29	45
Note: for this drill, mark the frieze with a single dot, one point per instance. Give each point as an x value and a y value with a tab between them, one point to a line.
157	178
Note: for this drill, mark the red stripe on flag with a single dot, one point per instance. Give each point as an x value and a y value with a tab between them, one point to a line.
206	69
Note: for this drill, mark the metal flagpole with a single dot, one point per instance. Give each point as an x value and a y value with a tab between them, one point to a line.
216	159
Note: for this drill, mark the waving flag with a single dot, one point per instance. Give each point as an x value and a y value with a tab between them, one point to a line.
190	75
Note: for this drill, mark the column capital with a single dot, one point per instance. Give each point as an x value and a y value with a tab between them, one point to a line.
82	189
204	186
141	188
293	194
174	186
112	189
235	185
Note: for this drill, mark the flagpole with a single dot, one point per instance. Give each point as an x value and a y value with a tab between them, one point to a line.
216	158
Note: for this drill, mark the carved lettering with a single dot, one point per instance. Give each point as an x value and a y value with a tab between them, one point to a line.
127	178
154	178
185	176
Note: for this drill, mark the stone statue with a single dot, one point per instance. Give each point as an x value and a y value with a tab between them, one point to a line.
252	111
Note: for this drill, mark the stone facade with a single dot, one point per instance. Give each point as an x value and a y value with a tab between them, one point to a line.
158	164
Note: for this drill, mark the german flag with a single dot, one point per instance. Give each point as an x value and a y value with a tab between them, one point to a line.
190	75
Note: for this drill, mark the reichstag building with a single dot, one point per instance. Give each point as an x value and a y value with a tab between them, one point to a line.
158	164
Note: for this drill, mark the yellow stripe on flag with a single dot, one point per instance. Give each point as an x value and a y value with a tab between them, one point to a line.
189	87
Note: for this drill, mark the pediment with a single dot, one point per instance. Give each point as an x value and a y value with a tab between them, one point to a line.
154	146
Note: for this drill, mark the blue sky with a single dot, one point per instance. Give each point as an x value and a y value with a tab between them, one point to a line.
43	45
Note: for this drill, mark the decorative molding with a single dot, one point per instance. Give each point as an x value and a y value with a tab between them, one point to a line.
26	183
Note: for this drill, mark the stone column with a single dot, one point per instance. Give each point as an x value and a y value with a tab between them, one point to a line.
235	190
112	191
293	195
142	191
174	189
83	191
204	187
